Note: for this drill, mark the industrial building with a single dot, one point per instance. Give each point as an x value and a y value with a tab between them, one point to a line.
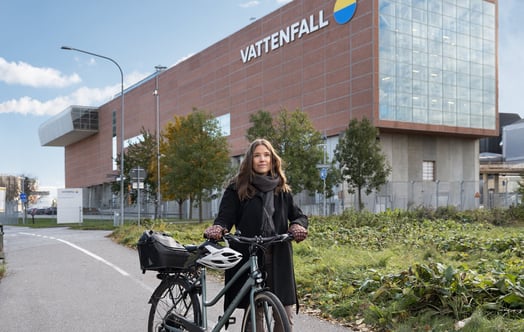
423	71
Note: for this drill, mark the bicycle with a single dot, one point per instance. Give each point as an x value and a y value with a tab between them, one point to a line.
179	303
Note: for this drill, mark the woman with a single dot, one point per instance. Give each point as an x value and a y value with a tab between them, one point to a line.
258	201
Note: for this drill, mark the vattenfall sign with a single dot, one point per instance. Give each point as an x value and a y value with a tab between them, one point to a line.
342	13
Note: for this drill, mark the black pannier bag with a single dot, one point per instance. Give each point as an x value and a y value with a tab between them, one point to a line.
160	252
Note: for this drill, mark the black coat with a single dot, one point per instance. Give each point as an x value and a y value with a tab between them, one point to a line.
246	216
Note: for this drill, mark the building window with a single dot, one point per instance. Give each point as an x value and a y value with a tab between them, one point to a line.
428	170
114	149
113	123
84	119
437	62
224	122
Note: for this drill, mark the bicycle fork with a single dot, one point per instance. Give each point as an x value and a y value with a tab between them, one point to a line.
251	287
258	279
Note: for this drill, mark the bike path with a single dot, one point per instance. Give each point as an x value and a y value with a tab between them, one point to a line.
60	279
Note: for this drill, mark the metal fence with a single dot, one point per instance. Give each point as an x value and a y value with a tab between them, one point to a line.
463	195
11	214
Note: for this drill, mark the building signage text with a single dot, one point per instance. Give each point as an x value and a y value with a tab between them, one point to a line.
285	36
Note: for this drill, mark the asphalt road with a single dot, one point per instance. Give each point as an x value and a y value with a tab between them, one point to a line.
60	279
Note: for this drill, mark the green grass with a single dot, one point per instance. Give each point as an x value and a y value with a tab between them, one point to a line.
87	224
401	273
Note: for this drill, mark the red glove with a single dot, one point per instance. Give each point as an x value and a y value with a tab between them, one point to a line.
299	233
214	232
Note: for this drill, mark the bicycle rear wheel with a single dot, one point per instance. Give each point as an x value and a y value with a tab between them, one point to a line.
173	295
270	314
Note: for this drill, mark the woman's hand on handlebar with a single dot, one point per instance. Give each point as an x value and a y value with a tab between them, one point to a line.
215	232
299	232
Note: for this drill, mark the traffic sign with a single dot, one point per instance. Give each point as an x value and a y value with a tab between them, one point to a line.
23	197
138	174
323	173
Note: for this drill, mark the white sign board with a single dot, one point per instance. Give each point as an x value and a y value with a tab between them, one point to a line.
69	206
2	199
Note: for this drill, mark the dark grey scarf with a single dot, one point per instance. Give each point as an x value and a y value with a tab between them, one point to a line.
266	185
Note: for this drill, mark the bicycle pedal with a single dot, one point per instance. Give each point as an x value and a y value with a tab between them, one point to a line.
230	321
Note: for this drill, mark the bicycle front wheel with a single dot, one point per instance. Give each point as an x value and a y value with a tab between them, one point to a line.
270	314
173	296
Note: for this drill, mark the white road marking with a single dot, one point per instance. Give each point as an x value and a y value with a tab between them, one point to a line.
89	253
100	259
85	251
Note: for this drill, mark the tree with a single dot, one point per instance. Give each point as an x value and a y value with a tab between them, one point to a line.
30	187
195	158
173	186
262	127
15	186
299	144
362	164
141	154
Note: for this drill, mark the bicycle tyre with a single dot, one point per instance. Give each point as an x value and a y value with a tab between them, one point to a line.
274	314
173	294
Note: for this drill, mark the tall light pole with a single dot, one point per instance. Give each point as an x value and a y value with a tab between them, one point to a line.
157	96
121	124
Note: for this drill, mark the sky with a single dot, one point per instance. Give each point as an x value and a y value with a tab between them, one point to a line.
39	80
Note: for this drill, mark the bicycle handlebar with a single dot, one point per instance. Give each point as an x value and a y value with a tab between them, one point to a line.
258	239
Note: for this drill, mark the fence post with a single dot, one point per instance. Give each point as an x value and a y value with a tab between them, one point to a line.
1	241
437	189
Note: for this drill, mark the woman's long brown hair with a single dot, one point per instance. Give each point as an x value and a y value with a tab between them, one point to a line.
245	172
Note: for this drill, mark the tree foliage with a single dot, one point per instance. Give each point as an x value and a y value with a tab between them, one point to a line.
195	158
299	144
362	164
141	154
262	127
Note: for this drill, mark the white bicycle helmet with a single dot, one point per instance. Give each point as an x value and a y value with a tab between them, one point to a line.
221	258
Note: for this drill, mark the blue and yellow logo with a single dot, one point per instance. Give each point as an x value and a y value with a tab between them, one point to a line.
344	10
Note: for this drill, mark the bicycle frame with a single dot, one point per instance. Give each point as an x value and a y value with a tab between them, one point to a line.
251	287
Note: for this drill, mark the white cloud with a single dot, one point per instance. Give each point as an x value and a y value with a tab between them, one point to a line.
30	106
250	4
21	73
84	96
254	3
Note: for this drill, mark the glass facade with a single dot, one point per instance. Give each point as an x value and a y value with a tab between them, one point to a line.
437	61
85	118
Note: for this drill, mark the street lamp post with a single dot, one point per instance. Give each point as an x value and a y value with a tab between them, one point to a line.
323	173
121	124
157	96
